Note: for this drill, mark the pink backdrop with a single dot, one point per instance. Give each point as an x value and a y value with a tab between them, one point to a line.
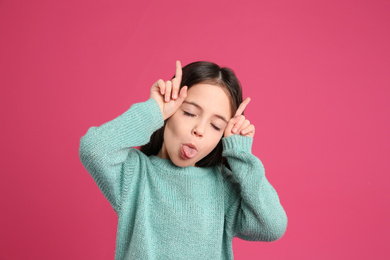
318	75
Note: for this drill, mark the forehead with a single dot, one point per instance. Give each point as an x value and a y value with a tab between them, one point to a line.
211	98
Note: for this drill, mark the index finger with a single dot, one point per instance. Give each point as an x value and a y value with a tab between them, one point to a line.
178	73
242	106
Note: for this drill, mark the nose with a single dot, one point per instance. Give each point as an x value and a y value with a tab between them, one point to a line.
198	130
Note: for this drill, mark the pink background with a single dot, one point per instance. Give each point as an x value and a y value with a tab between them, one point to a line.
318	75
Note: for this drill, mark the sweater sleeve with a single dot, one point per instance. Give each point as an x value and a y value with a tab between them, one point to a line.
253	211
104	149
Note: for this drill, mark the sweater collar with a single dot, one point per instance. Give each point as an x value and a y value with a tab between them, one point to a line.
166	165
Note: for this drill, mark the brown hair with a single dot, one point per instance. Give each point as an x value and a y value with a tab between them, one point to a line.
210	73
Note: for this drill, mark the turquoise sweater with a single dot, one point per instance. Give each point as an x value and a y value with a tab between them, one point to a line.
168	212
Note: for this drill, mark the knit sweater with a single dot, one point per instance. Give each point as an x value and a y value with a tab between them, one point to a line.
169	212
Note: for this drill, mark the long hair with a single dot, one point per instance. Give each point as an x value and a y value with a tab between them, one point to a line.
207	73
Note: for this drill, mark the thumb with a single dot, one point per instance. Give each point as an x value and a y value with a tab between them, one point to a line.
171	107
230	125
182	95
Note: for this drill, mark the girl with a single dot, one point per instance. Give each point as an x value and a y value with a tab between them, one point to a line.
194	184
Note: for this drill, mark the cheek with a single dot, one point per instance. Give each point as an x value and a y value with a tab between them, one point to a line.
172	128
214	140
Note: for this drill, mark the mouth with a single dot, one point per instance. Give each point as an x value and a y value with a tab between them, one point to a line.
188	151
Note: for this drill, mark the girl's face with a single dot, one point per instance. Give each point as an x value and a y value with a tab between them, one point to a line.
195	129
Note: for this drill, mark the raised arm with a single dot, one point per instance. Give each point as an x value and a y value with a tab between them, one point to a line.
104	149
253	211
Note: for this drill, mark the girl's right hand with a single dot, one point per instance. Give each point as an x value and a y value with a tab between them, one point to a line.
168	94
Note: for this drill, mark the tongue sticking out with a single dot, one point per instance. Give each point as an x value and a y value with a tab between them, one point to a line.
189	152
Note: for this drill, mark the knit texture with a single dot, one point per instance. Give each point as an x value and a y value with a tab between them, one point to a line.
169	212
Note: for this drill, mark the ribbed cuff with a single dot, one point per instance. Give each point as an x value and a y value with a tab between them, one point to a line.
155	113
237	143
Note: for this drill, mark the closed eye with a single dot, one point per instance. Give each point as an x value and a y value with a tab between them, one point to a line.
216	128
189	114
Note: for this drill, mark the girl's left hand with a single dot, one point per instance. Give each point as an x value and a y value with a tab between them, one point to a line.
238	124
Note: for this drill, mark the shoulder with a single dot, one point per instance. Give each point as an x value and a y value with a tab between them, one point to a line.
136	156
135	161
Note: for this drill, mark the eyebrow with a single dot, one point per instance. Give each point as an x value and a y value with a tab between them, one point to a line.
199	107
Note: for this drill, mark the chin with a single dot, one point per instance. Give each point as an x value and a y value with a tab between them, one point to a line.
183	163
